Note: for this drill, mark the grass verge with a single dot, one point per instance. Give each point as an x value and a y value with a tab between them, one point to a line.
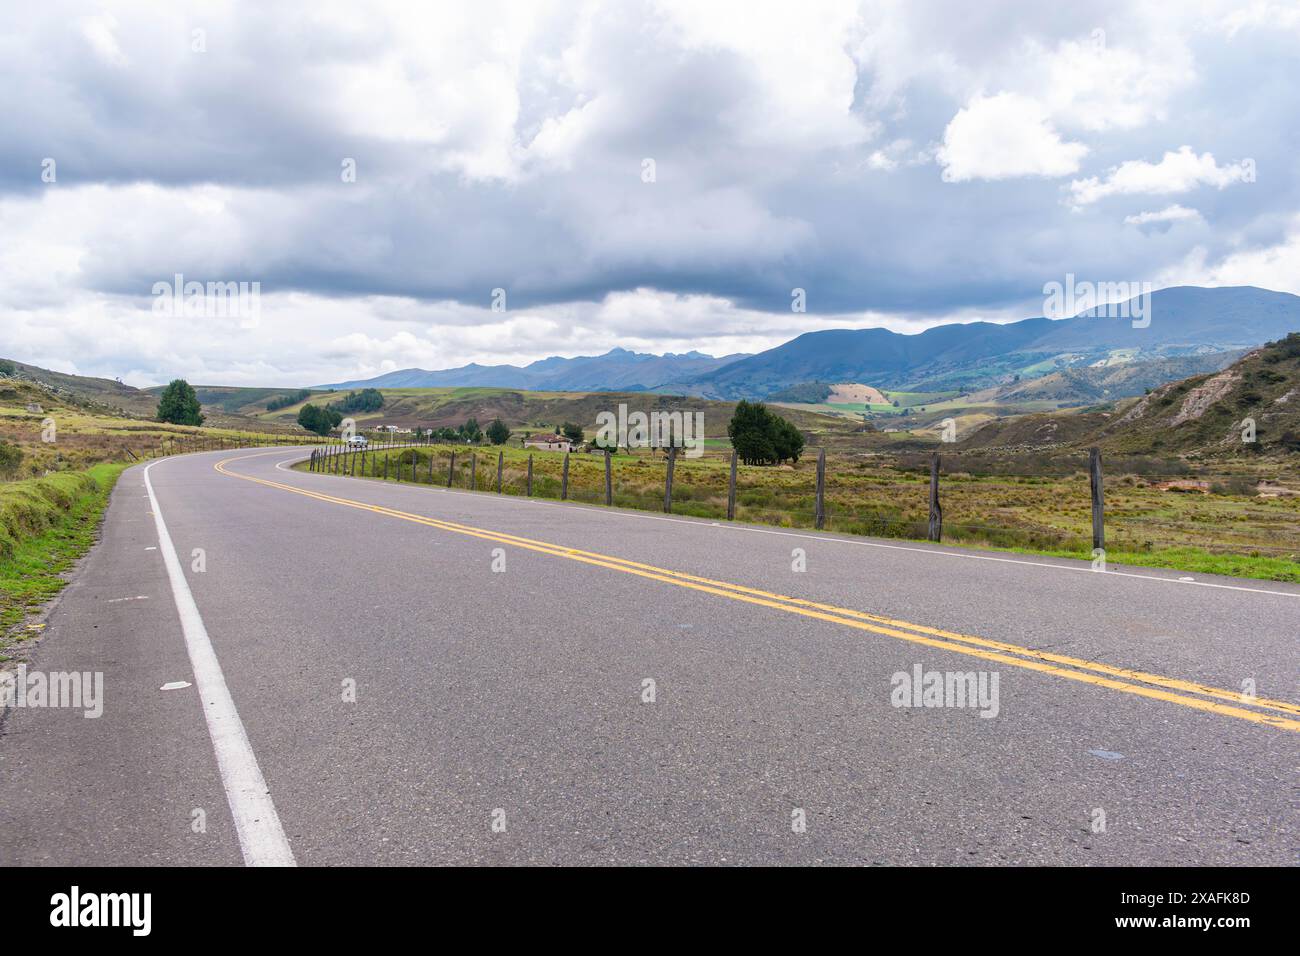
1195	560
45	525
1206	534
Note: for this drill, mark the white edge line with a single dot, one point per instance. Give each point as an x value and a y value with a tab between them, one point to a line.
261	838
705	522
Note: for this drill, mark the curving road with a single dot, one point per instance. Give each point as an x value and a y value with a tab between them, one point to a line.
501	649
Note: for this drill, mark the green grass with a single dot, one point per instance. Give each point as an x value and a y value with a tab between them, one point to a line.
45	525
1192	560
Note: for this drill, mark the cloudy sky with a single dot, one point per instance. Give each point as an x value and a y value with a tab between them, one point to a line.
652	175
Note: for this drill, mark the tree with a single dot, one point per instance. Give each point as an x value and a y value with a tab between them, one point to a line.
787	440
318	420
366	400
497	432
8	369
290	398
179	404
761	438
571	431
470	432
750	431
11	456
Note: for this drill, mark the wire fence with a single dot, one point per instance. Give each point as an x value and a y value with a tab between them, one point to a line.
1146	511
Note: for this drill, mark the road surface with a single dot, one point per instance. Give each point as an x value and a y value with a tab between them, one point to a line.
395	674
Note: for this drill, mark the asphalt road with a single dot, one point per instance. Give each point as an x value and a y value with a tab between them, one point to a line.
502	716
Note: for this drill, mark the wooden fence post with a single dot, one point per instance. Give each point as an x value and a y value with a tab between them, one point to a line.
530	476
668	479
473	471
501	462
1098	513
821	489
731	489
430	464
564	479
936	513
385	468
451	467
609	481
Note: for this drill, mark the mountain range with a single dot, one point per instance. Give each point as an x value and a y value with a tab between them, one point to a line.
1184	321
618	370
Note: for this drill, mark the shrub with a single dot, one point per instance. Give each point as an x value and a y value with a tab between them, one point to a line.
11	456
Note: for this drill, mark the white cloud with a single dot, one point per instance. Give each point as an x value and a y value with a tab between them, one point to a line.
1178	172
1003	137
1271	15
1275	266
1174	213
101	33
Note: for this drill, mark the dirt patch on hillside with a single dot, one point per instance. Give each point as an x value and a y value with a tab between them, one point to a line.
1199	399
853	393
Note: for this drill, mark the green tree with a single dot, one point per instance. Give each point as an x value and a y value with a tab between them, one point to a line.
318	420
290	398
497	432
750	431
179	404
7	369
571	431
470	432
786	440
366	400
761	438
11	456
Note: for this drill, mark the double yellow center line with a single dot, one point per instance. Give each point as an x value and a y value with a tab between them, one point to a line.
1260	710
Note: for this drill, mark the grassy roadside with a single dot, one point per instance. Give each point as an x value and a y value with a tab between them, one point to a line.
1192	560
45	525
1222	534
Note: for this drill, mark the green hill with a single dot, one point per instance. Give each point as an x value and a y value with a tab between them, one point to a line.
1205	415
103	394
1202	416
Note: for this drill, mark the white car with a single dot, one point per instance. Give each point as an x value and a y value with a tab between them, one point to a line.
356	441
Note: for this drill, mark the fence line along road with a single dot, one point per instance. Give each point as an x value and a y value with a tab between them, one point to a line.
347	460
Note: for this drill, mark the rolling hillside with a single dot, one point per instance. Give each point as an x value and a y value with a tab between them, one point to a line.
525	410
1198	417
224	407
1088	386
104	394
1206	414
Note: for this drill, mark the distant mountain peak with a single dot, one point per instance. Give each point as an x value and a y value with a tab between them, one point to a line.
1182	320
617	369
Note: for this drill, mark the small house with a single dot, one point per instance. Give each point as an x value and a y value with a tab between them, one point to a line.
548	443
